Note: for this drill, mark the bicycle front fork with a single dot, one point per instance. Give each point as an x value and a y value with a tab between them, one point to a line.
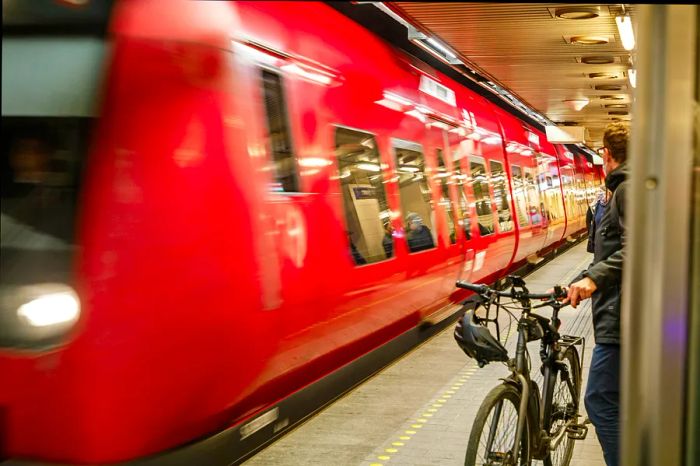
522	415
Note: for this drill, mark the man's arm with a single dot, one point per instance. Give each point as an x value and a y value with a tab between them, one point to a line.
605	271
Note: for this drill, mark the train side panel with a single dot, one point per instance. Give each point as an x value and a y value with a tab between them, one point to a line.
251	221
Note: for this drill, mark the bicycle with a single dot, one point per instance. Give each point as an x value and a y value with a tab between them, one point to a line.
541	421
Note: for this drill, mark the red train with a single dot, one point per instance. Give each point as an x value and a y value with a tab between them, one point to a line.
266	193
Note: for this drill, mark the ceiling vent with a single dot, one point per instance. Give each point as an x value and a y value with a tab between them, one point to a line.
576	104
576	13
611	97
598	59
589	39
603	75
618	112
608	87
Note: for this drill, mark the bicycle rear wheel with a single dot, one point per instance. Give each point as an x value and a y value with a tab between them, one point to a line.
492	437
565	402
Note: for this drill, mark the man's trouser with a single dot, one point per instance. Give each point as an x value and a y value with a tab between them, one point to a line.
603	399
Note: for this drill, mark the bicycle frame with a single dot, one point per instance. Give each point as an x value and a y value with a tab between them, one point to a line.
552	349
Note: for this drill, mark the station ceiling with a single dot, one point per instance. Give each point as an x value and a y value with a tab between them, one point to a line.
528	49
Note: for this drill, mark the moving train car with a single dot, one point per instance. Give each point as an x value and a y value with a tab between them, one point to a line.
211	208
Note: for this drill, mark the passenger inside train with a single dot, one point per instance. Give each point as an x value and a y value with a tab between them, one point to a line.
418	235
388	240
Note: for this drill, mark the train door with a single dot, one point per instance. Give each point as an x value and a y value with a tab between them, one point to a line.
481	161
274	150
521	154
443	179
568	186
457	148
549	183
580	190
447	232
593	185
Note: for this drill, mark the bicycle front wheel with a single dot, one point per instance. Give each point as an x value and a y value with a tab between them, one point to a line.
493	433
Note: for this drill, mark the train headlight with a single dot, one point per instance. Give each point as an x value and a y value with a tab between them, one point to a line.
37	316
51	309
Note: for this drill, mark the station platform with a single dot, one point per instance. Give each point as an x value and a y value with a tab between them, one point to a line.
419	410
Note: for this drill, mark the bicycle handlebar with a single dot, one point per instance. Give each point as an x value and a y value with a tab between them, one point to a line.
485	289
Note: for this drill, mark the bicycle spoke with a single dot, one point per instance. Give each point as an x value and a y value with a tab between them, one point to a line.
498	442
494	424
562	410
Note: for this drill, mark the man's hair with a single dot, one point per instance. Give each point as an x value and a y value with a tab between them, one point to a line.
615	140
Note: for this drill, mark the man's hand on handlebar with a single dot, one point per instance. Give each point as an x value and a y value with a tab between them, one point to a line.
582	289
577	292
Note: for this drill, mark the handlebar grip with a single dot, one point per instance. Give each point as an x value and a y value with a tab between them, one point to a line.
559	292
472	287
540	295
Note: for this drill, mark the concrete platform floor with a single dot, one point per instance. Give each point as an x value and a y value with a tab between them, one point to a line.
419	410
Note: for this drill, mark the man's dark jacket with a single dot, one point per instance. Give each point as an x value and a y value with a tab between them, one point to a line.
608	257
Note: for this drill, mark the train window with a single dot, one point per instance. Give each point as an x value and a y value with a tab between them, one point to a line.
533	198
519	194
442	179
567	178
364	198
554	204
581	193
498	176
415	195
463	205
543	188
482	196
279	135
42	160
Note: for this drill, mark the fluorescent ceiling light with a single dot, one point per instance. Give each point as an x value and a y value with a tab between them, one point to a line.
632	75
441	47
624	26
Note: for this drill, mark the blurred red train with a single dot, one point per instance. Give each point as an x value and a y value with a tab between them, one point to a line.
205	215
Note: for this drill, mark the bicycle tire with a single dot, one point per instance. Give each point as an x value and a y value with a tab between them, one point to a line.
562	455
505	394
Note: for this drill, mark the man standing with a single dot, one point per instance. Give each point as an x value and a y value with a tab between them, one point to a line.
602	282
